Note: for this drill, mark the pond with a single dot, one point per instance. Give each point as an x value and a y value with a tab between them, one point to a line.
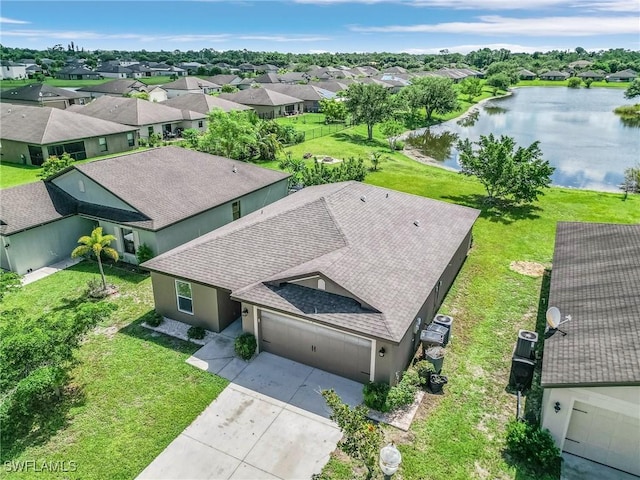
579	134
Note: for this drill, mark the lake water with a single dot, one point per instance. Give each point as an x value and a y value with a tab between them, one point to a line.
579	134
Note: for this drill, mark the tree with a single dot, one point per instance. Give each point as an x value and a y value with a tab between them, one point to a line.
334	110
361	439
376	158
435	94
574	82
588	82
368	103
392	130
96	244
504	171
633	90
55	164
228	89
472	87
499	81
231	135
631	182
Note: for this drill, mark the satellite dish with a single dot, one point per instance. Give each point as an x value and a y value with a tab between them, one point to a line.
553	317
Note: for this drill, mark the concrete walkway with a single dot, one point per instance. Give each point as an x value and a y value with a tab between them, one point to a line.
577	468
50	270
270	422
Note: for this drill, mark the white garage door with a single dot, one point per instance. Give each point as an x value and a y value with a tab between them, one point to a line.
331	350
604	436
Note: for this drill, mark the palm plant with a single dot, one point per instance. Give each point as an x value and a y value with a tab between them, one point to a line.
96	244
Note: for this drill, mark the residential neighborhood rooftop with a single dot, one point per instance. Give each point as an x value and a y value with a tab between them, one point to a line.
203	103
260	96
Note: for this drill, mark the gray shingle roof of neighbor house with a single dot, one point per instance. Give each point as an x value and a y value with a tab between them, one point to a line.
118	86
46	125
34	92
113	69
387	248
200	102
628	73
190	83
133	111
260	96
591	74
170	184
31	205
554	73
596	280
225	79
303	92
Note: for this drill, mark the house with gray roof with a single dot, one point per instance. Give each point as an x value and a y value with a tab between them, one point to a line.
116	88
147	117
186	85
10	70
30	135
223	79
591	75
160	197
114	71
43	95
627	75
77	72
524	74
554	75
266	102
309	94
199	102
326	292
591	365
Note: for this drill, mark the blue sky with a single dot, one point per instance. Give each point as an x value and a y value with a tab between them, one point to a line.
301	26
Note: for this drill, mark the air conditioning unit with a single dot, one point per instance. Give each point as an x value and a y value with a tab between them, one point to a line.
444	321
526	346
521	375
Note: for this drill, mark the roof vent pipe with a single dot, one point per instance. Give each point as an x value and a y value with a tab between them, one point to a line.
416	223
363	198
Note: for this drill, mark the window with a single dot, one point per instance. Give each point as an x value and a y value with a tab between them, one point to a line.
81	185
150	130
183	294
102	141
235	208
200	124
321	284
128	241
131	139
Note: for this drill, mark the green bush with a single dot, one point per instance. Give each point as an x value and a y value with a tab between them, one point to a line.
375	395
142	142
399	145
196	333
144	253
155	320
405	391
245	345
574	82
533	447
424	369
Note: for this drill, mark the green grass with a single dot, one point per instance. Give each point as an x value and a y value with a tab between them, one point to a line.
131	393
12	174
4	84
156	80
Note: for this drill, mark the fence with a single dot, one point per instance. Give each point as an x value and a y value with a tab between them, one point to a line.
324	130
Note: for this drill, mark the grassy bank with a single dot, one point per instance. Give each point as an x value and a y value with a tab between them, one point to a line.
132	392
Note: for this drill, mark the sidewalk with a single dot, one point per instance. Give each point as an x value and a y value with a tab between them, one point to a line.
50	270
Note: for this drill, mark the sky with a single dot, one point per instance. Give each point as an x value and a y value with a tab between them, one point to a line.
312	26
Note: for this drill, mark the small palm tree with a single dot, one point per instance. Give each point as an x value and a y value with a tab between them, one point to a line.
97	244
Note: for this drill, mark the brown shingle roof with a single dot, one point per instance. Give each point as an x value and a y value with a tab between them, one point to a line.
361	237
596	280
200	102
260	96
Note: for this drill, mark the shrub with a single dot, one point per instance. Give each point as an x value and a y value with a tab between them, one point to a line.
375	395
574	82
144	253
142	142
55	164
245	345
155	320
405	391
399	145
196	333
533	447
424	370
9	281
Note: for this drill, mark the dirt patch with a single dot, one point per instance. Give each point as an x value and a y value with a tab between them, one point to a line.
108	332
531	269
327	159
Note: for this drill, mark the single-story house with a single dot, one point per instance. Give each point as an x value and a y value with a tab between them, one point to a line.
341	276
199	102
116	88
43	95
580	64
622	76
33	70
591	75
147	117
186	85
591	375
247	68
395	70
267	103
114	71
29	135
157	93
12	70
524	74
333	86
294	77
161	197
77	72
267	78
223	79
309	94
554	75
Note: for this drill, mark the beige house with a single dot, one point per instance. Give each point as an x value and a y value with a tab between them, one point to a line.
117	88
186	85
43	95
591	375
267	103
200	102
340	276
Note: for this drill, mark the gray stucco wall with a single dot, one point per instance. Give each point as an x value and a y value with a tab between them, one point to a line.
11	152
115	144
41	246
93	192
143	237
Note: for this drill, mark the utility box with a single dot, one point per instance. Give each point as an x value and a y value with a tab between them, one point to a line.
444	321
431	338
521	375
526	345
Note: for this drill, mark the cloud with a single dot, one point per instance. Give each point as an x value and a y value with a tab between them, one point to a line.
530	27
12	21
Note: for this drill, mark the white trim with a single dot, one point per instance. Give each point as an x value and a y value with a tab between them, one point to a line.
372	367
256	327
179	296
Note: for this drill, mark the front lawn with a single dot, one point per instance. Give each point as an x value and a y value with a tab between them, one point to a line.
131	393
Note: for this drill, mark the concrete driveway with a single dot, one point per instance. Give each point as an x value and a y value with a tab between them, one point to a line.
270	423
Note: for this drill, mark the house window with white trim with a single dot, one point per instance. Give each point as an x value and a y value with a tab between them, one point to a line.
184	297
128	239
102	142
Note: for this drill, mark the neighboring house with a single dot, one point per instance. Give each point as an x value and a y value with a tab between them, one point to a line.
221	79
457	74
591	75
622	76
114	71
139	70
580	64
310	94
267	103
341	276
10	70
148	117
30	135
160	197
43	95
157	94
117	88
199	102
33	70
333	86
395	70
190	67
294	77
591	375
187	85
247	68
77	72
524	74
267	68
554	75
267	78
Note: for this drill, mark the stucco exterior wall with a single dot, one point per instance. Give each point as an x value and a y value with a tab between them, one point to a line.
12	152
624	400
41	246
141	237
72	182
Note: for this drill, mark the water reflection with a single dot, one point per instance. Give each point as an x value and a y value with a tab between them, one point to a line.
434	145
494	109
632	122
470	119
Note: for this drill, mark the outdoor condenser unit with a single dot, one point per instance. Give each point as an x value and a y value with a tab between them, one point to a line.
526	346
521	374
